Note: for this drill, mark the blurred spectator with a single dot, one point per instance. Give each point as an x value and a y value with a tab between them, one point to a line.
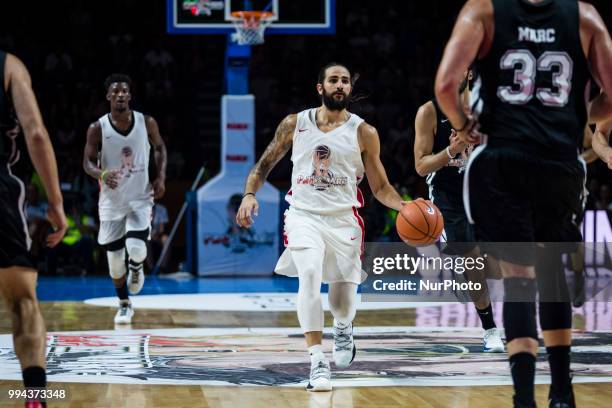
76	251
159	236
58	64
36	215
159	62
36	209
605	198
400	130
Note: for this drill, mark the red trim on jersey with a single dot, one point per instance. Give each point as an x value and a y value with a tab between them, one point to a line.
362	225
360	198
285	236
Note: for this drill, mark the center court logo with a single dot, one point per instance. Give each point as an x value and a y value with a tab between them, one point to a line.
275	357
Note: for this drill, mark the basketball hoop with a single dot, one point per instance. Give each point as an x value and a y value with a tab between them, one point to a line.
250	26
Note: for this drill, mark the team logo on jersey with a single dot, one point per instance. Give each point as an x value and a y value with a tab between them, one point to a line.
127	163
322	178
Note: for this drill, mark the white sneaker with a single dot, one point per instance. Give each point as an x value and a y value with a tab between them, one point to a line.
124	314
344	346
320	377
492	341
135	279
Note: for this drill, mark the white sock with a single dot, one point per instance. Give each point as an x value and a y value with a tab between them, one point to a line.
316	354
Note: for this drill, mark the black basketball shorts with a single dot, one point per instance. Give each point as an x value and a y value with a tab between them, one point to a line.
514	197
14	237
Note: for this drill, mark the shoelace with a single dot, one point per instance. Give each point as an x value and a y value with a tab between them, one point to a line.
123	310
488	334
342	339
320	370
135	275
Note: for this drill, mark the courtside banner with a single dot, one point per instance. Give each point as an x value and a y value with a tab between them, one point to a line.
398	272
223	247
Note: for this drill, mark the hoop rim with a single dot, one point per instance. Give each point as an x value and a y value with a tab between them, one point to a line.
250	14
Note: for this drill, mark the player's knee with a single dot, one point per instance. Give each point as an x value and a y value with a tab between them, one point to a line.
116	263
309	296
519	308
309	271
555	316
520	320
519	290
136	249
512	270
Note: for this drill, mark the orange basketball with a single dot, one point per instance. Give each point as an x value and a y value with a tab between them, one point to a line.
419	223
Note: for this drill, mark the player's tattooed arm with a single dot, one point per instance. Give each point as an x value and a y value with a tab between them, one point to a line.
276	150
90	158
278	147
161	157
369	142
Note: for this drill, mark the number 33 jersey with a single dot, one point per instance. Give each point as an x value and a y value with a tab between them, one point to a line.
531	90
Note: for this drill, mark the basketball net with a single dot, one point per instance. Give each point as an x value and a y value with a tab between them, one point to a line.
250	26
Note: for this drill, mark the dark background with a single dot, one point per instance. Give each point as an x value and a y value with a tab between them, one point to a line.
71	46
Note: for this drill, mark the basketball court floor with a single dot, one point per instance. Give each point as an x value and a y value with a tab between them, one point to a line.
237	342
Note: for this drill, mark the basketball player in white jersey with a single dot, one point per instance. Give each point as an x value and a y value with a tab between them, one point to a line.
117	154
331	150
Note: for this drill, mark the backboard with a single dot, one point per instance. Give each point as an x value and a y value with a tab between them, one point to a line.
213	16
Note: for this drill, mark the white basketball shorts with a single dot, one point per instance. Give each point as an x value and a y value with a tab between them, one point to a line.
339	237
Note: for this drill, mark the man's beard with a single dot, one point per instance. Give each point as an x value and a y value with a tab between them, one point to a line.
334	104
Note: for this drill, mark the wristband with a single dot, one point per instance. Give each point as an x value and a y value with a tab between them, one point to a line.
104	173
246	194
467	121
448	153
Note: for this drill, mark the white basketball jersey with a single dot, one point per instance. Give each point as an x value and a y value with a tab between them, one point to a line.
327	167
129	153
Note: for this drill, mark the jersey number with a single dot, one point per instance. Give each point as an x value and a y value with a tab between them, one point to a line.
525	77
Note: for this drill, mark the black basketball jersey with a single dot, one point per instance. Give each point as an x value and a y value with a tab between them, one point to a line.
534	79
8	118
449	178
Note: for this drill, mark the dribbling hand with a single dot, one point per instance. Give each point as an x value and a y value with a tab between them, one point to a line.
471	132
248	208
456	144
57	218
